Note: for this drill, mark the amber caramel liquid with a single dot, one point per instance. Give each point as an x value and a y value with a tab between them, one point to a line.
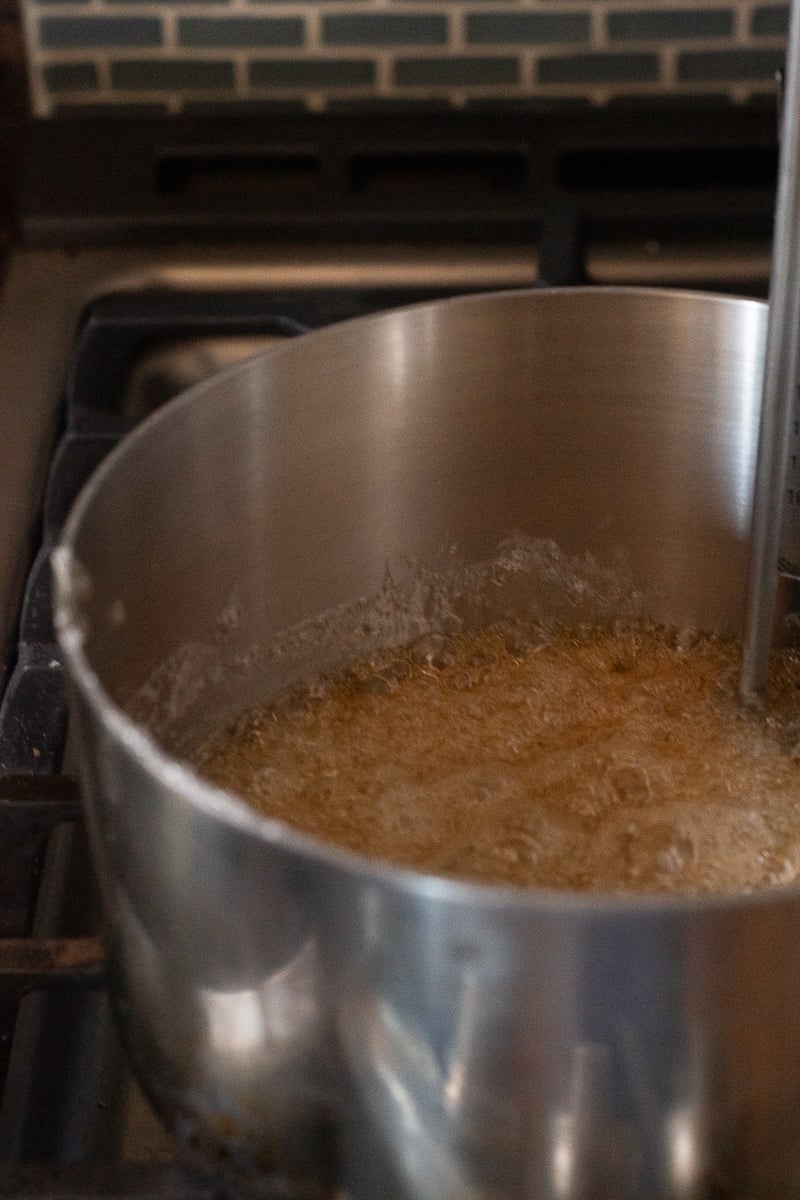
608	760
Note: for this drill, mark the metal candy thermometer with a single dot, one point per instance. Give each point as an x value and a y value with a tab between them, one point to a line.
775	537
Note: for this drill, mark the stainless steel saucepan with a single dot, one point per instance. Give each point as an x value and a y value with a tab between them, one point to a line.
311	1024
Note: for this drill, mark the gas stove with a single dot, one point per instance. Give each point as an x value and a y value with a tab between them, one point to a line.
153	253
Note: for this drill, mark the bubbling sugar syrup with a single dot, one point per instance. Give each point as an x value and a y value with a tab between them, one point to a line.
607	757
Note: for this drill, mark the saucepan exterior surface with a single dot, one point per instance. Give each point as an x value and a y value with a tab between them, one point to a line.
314	1025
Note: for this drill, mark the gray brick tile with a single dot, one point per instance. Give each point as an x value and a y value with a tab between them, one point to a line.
670	24
385	29
599	68
171	74
730	65
70	77
528	27
312	72
455	71
770	21
241	31
92	31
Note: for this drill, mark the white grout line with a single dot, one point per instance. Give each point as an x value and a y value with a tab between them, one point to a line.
169	25
669	67
313	26
103	67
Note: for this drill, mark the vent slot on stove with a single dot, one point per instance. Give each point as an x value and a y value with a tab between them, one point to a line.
662	169
450	174
223	172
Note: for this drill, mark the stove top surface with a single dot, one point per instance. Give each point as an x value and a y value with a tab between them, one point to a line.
469	177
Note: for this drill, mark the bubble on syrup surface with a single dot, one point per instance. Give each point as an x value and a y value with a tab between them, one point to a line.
629	783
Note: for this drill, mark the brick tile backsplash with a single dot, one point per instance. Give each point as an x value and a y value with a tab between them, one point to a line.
456	71
171	74
670	24
70	77
240	32
527	28
121	56
730	65
297	73
770	21
599	68
94	32
385	29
